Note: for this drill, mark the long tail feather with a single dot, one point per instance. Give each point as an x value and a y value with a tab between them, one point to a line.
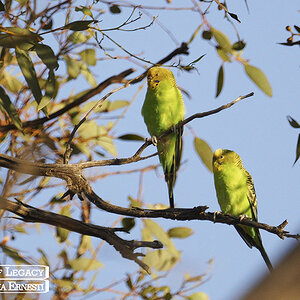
257	244
266	258
171	198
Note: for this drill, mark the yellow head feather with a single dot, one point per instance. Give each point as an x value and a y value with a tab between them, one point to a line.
224	156
156	74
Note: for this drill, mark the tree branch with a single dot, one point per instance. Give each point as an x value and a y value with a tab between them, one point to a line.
188	214
89	94
137	156
124	247
183	49
78	184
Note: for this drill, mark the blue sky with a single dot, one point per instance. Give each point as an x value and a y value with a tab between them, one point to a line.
257	129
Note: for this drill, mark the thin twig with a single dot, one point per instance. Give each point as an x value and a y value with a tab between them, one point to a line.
76	127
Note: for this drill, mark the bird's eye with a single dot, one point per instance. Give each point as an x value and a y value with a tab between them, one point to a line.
221	156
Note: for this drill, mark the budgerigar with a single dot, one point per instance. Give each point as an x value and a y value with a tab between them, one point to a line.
236	195
163	108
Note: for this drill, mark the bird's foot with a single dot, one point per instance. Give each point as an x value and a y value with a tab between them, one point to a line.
175	129
242	217
154	140
215	215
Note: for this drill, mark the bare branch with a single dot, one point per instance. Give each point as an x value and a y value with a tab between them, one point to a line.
92	92
124	247
188	214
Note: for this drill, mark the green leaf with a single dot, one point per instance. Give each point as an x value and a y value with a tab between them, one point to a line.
85	264
198	296
48	25
10	82
117	104
107	143
50	90
44	259
161	260
220	81
20	229
234	16
88	130
115	9
156	259
29	74
197	59
134	202
129	282
88	75
259	78
195	33
12	37
223	54
293	122
64	255
89	56
206	35
65	284
85	245
180	232
239	45
89	105
78	37
46	54
78	25
14	254
73	67
82	148
297	28
146	234
297	149
8	108
162	236
198	278
62	233
222	39
128	223
85	10
204	151
131	137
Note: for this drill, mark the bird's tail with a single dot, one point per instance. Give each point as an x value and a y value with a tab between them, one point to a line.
170	177
254	242
265	257
171	196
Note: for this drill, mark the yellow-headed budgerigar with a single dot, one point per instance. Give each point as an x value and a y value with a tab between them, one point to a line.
163	108
236	195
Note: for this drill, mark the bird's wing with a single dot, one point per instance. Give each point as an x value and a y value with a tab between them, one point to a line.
251	196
